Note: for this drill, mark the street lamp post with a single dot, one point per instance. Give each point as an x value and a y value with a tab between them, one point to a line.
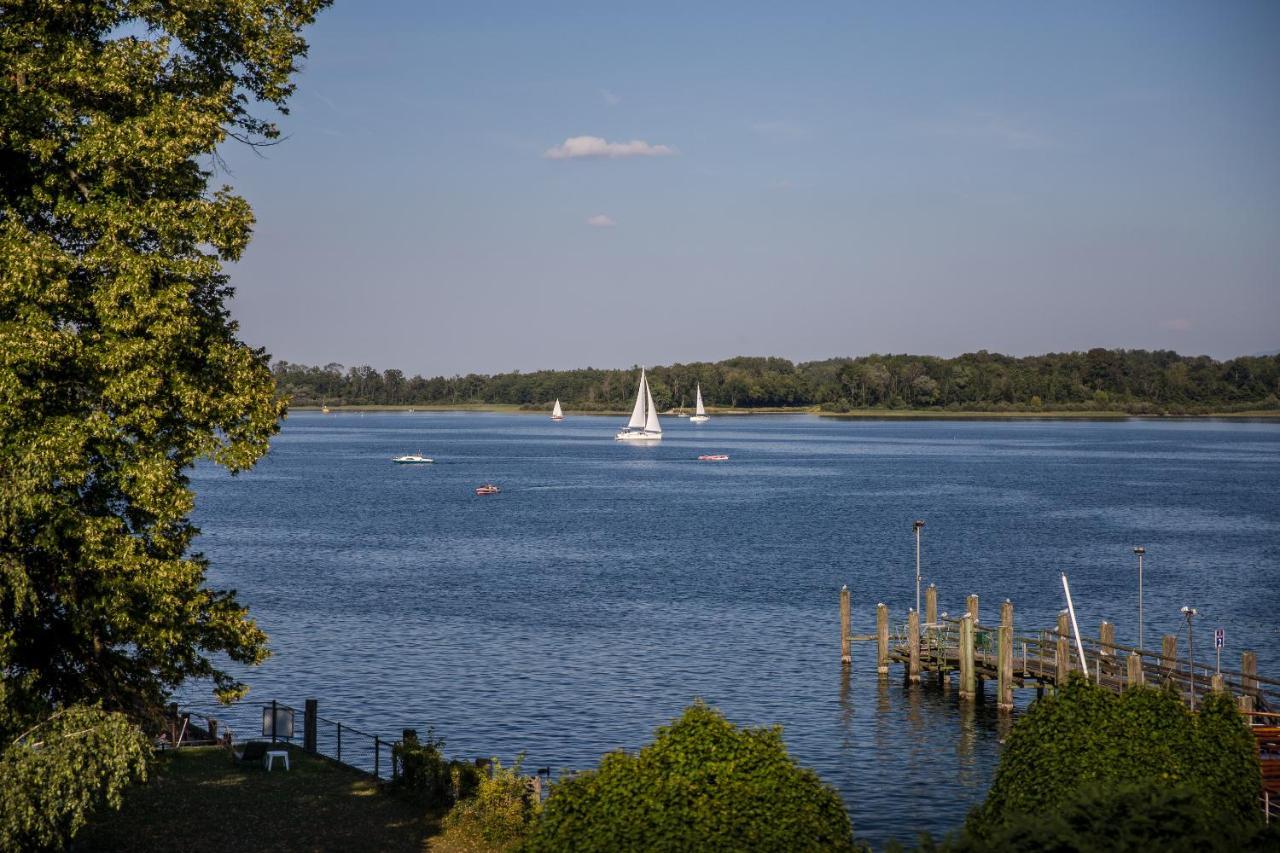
916	526
1139	550
1189	613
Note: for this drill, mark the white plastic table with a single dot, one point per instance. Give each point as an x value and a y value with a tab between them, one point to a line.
273	754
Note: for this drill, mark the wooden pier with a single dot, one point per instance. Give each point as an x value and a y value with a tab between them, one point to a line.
979	652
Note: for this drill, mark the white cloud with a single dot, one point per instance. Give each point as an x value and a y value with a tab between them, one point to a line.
593	146
610	98
600	220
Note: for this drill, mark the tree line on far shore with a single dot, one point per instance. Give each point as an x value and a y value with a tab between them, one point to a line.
1133	381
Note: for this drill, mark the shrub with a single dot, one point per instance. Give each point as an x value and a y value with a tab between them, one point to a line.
497	817
703	784
1087	738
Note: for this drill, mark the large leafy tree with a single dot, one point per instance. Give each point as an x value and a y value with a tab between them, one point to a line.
119	364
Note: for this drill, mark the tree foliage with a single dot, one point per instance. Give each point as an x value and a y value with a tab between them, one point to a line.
703	784
497	816
1134	381
55	774
1087	738
119	364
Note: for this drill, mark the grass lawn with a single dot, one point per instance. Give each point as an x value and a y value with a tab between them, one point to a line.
197	800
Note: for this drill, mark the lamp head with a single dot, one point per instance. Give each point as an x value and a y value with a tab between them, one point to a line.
917	524
1139	550
1188	612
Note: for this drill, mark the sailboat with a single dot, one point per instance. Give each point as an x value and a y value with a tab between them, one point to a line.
556	413
643	425
700	415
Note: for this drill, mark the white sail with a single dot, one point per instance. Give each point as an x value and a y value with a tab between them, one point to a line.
637	413
651	424
700	410
556	412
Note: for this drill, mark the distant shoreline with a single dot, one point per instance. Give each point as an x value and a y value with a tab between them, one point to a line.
859	414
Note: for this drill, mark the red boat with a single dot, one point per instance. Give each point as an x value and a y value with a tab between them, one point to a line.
487	489
714	457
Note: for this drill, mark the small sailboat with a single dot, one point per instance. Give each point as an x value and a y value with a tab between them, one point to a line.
644	425
700	414
412	459
556	413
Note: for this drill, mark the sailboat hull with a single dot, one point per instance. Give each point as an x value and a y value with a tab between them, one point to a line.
638	435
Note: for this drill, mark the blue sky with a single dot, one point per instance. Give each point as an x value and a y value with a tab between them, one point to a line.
830	179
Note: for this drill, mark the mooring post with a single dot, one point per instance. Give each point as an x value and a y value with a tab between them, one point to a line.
1248	680
1216	683
1062	652
931	627
971	607
1107	639
913	645
846	635
882	638
309	726
1169	653
1134	670
967	677
1004	664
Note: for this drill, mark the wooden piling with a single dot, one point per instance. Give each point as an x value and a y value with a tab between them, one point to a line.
1004	663
1135	670
913	646
1107	639
1216	683
846	630
882	638
968	679
931	605
971	607
1169	653
1249	680
1062	651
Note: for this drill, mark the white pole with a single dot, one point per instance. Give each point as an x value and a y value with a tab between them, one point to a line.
1074	626
917	568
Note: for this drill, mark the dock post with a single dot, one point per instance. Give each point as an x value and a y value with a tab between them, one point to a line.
1216	683
1169	654
971	607
968	681
931	606
882	638
913	645
1062	652
1004	664
1107	639
1135	670
1248	680
931	628
309	726
846	635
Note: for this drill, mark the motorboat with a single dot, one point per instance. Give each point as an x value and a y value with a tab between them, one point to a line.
714	457
412	459
644	424
487	489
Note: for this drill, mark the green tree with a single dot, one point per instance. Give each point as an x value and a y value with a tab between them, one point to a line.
119	364
703	784
1088	738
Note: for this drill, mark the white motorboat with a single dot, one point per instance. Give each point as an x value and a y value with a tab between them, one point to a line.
644	425
556	413
412	459
700	414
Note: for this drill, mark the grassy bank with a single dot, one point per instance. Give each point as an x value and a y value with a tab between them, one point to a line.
197	800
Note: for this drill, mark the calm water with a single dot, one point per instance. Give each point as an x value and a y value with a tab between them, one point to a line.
608	585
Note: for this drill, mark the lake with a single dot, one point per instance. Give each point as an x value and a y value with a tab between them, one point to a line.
610	584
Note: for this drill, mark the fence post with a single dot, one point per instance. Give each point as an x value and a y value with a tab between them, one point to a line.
846	635
882	638
377	757
913	645
339	741
309	726
1062	652
273	721
1135	670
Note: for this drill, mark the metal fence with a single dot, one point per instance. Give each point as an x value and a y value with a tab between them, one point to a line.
278	722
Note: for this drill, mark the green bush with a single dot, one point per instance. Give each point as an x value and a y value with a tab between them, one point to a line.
425	773
1087	738
497	817
703	784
